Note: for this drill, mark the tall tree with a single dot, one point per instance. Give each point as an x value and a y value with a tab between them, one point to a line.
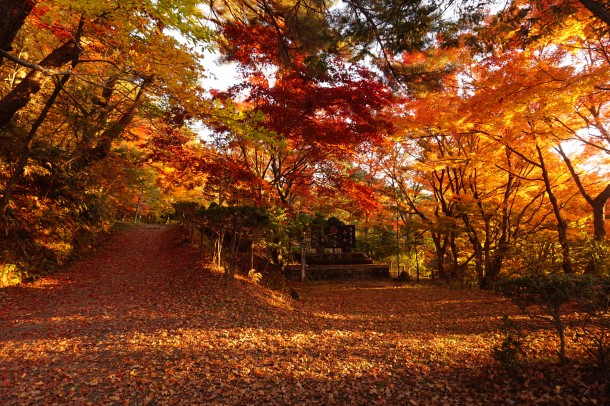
25	154
305	120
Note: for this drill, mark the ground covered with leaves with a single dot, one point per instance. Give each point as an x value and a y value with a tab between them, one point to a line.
140	322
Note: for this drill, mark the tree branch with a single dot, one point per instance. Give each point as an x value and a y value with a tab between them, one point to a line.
46	71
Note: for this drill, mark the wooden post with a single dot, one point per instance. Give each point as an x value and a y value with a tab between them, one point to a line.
397	246
200	241
138	205
303	262
416	263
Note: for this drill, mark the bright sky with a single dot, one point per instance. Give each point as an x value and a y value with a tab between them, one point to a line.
218	75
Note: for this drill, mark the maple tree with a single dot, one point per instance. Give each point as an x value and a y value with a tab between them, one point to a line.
524	103
465	141
571	115
312	129
69	119
299	119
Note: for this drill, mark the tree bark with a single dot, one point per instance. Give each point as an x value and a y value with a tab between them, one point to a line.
597	9
598	204
440	250
87	140
21	94
599	214
12	16
25	154
303	263
562	225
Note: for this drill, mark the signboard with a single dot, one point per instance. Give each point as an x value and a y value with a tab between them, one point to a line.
334	237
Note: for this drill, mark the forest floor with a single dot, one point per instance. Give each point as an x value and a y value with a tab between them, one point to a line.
140	322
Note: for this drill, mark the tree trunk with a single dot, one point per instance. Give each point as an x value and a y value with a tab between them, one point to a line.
562	225
478	262
454	266
598	204
59	85
25	154
12	16
138	205
480	257
440	249
597	9
599	215
87	140
231	267
31	84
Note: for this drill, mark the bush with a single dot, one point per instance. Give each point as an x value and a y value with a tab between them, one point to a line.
552	297
9	275
509	353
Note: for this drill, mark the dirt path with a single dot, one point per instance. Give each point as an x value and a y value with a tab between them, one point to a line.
140	323
69	334
129	279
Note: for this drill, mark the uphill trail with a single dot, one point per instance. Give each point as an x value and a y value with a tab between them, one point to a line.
135	268
78	325
141	322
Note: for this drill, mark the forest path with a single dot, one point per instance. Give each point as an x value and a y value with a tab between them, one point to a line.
76	326
136	268
139	322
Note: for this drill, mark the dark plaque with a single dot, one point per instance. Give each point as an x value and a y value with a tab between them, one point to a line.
334	237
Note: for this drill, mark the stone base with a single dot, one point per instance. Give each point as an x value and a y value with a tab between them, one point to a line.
338	272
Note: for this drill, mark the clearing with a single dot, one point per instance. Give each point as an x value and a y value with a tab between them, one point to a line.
140	322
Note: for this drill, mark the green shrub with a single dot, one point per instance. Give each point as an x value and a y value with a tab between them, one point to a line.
552	297
509	353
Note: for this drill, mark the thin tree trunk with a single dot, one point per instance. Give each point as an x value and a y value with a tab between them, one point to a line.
252	253
219	246
31	84
562	224
232	260
135	220
416	265
303	263
598	204
440	250
12	16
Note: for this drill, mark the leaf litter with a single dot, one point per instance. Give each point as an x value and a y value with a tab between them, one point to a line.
140	322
